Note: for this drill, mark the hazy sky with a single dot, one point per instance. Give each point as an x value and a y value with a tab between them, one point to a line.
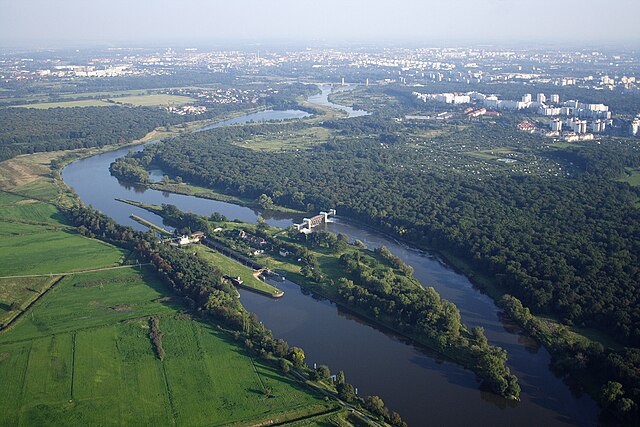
82	22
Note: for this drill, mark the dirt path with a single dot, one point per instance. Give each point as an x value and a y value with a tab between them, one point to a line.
75	272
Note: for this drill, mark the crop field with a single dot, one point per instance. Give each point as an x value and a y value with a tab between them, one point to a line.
25	209
153	100
83	356
81	353
233	268
34	249
16	294
67	104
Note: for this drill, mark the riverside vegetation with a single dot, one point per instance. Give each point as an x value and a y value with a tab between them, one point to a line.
555	228
376	284
82	346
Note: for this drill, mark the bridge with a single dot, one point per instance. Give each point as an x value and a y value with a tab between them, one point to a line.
308	223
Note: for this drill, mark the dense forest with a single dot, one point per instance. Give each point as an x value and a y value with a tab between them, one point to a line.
27	130
565	245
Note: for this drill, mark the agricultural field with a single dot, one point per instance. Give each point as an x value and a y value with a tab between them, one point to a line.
155	100
35	249
67	104
76	349
233	268
136	98
83	356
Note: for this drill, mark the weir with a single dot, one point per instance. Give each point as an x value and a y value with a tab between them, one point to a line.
308	223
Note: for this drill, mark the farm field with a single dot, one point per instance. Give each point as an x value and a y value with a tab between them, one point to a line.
35	249
67	104
76	349
153	100
83	356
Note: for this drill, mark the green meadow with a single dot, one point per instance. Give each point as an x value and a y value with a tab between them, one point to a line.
83	356
76	350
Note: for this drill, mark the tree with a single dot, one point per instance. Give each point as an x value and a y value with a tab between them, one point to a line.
285	365
610	393
376	405
265	202
296	356
346	392
323	372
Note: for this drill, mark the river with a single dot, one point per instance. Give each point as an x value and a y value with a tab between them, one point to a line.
422	387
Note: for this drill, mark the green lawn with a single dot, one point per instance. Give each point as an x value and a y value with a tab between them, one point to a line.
631	177
233	268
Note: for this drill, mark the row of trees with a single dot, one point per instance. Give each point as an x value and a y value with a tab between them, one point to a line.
204	289
400	299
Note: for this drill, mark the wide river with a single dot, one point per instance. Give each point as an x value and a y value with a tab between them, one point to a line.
422	387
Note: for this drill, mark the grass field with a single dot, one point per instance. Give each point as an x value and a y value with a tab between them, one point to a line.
233	268
153	100
137	98
631	177
81	353
67	104
34	249
83	356
287	141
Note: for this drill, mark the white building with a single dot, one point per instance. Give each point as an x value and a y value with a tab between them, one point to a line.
554	99
580	126
526	97
541	98
556	125
635	126
598	126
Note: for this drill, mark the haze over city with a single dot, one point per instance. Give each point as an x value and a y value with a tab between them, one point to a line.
41	23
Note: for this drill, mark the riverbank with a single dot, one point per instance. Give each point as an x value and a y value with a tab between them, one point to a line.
204	193
387	290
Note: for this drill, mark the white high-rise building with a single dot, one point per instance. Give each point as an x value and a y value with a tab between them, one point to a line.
540	98
526	97
635	126
556	125
598	126
580	126
554	99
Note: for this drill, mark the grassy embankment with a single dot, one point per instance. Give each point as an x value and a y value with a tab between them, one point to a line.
227	265
235	269
81	354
